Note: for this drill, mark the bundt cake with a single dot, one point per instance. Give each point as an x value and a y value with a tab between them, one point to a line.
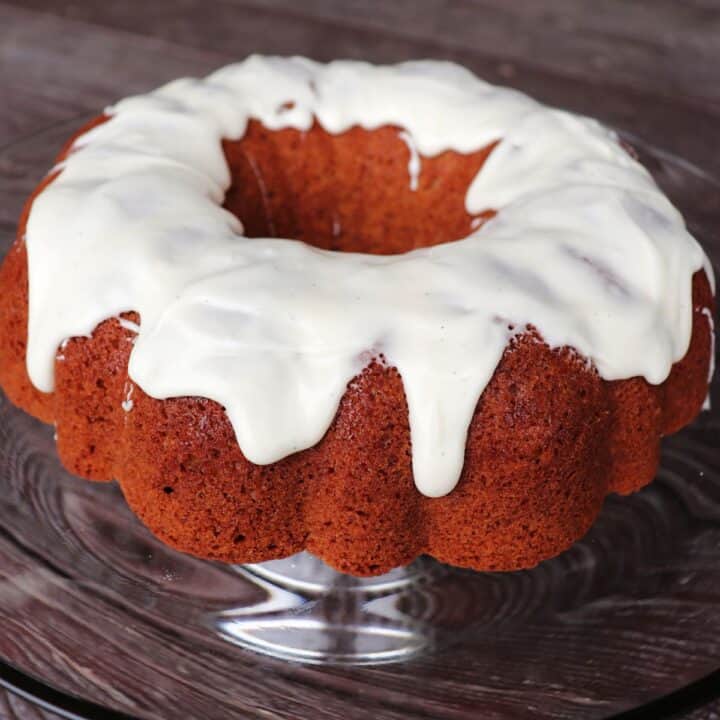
484	318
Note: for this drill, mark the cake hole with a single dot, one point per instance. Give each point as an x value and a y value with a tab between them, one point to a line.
168	490
239	538
350	192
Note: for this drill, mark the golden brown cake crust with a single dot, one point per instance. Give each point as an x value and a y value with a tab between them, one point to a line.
548	441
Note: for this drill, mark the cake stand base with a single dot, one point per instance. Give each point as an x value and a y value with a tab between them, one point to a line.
311	613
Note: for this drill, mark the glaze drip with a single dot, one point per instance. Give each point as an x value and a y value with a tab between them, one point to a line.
414	163
584	247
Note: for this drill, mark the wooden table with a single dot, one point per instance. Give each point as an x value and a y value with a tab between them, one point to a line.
649	67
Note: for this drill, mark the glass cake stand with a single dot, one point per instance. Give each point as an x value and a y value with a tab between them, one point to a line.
99	619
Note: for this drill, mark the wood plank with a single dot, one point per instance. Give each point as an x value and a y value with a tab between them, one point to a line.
70	60
652	45
53	70
662	47
13	707
30	112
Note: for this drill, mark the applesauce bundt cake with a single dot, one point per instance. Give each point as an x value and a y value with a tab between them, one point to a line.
367	311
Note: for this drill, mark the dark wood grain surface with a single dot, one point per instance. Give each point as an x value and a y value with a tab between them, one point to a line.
13	707
648	67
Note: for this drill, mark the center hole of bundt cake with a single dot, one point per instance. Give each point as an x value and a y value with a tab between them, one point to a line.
359	191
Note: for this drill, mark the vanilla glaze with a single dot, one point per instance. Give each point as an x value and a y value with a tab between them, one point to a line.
585	247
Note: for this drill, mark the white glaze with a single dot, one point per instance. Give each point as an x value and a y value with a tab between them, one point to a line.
711	369
414	163
584	246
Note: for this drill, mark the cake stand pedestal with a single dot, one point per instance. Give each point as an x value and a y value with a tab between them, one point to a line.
314	614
